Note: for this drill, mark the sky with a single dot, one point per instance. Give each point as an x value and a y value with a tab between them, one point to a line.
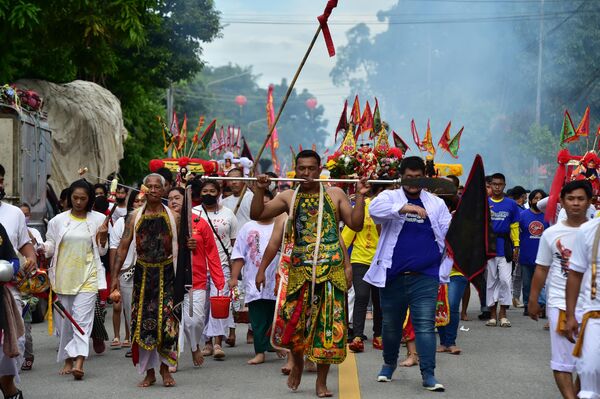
275	50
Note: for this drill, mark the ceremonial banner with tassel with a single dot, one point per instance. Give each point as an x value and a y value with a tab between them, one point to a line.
342	125
376	120
444	142
583	129
427	143
366	123
183	134
274	143
454	144
355	116
399	143
567	134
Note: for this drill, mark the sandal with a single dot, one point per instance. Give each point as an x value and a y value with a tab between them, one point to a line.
18	395
504	322
27	364
115	344
126	344
208	350
491	323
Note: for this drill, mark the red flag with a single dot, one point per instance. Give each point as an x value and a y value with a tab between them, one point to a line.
355	114
246	151
197	131
444	142
415	134
583	129
183	135
208	134
331	4
366	122
274	141
399	143
342	125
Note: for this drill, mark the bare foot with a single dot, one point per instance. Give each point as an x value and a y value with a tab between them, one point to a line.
149	380
442	349
67	368
411	360
258	359
288	366
323	392
168	380
464	317
309	366
454	350
295	376
197	357
281	354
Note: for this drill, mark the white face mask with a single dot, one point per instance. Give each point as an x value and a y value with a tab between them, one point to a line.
272	186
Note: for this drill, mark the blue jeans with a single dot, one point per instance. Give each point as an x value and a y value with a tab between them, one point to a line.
527	275
456	288
420	293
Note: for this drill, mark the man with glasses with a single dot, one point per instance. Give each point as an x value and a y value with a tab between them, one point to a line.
505	214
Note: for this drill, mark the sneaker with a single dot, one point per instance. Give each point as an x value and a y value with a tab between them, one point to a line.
377	343
385	375
357	345
431	384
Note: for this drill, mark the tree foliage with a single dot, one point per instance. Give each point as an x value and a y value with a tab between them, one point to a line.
134	48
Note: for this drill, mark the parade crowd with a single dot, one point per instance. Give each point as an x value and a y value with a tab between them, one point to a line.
307	265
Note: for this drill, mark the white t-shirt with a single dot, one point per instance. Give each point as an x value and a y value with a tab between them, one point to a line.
250	245
13	220
243	213
581	261
226	225
36	235
116	233
119	212
556	246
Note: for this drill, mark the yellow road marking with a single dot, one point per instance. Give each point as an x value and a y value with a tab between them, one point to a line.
348	378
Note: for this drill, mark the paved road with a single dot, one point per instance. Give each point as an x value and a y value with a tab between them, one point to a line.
496	363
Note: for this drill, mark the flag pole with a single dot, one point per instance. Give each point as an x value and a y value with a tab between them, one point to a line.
279	112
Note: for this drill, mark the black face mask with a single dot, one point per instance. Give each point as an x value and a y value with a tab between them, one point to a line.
2	193
208	199
120	201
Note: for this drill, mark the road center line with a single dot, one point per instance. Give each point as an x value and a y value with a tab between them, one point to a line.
348	378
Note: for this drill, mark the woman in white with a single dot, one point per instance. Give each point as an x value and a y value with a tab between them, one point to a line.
75	240
225	227
136	200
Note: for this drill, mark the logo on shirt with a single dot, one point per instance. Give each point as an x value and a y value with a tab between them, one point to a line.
413	218
564	255
536	228
500	215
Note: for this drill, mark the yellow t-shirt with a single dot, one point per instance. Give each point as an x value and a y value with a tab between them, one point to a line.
365	241
75	267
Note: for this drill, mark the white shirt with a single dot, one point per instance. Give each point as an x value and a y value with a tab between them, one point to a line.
226	225
581	262
250	245
556	246
243	213
13	220
116	233
36	235
119	212
385	210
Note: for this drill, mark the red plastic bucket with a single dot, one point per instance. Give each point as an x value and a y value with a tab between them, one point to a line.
219	306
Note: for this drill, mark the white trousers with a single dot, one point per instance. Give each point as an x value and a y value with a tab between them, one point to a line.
72	343
126	297
218	327
588	365
193	327
499	281
562	358
350	305
149	360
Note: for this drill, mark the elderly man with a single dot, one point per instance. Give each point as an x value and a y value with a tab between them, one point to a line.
154	320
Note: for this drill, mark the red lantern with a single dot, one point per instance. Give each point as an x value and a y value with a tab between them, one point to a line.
241	100
311	103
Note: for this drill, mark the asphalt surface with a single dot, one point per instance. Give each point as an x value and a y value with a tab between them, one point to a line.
495	363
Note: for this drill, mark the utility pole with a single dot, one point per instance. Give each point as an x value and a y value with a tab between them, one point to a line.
538	98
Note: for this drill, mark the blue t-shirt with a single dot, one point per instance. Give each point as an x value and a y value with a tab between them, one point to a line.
416	249
503	214
531	226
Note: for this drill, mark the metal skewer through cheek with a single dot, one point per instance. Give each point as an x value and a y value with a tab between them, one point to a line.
297	180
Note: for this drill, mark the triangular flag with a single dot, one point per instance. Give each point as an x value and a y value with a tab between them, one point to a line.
454	144
415	134
183	135
427	143
366	122
567	134
583	129
246	150
198	128
174	128
445	139
355	114
342	125
376	120
399	143
208	134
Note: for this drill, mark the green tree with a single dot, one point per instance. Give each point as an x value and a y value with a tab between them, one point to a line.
134	48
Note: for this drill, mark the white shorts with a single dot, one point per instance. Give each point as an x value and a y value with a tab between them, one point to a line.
562	350
588	365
